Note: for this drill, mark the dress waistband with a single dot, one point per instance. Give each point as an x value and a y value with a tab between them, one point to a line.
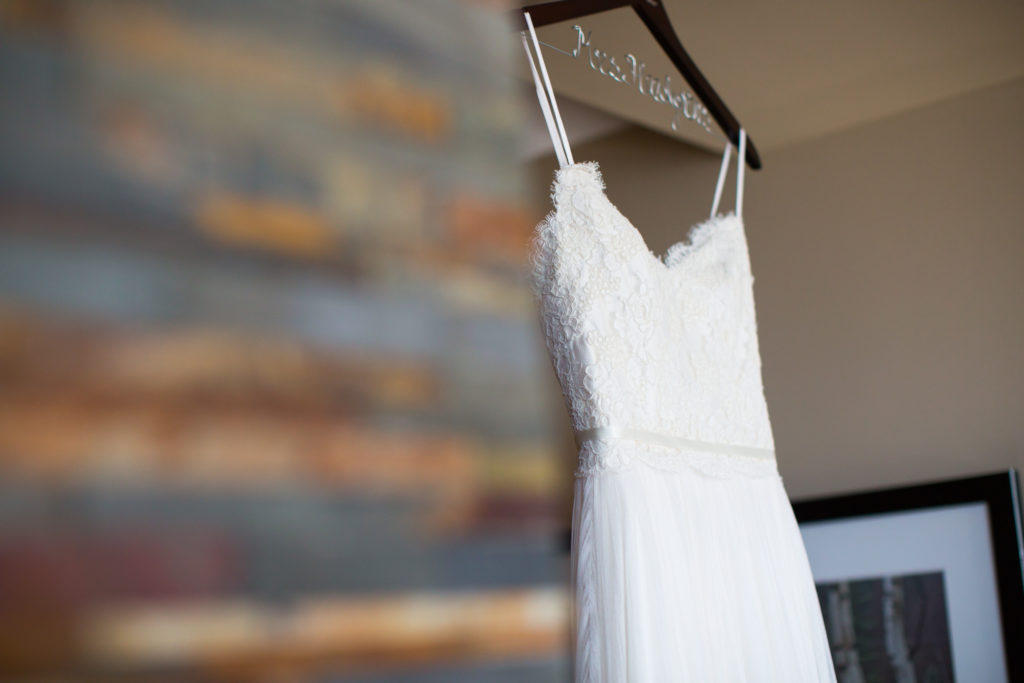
613	431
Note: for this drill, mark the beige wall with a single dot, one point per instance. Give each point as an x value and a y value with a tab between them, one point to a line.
889	284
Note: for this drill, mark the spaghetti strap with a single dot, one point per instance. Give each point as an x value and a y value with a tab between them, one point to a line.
740	167
552	117
721	178
546	109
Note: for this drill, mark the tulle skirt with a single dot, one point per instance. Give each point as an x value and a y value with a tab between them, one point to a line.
682	577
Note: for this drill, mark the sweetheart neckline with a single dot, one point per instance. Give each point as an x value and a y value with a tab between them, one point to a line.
677	252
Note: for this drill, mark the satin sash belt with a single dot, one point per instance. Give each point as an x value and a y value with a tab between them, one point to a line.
613	431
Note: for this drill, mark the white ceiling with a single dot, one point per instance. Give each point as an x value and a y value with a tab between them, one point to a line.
788	71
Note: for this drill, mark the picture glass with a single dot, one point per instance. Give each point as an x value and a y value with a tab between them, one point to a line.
909	595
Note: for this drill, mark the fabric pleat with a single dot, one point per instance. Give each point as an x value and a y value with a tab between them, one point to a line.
682	577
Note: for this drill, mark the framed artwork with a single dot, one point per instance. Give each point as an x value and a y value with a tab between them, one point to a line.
923	582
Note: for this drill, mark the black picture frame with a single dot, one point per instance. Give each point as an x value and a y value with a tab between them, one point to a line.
838	529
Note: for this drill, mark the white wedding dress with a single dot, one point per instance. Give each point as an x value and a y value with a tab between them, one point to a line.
687	562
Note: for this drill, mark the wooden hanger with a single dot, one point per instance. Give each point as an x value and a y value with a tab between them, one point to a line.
652	13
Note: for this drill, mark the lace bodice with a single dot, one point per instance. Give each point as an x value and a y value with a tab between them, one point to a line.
666	344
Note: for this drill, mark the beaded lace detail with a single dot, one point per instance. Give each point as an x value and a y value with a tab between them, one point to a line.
662	343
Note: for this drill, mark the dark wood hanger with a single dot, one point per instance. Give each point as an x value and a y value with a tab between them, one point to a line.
652	13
